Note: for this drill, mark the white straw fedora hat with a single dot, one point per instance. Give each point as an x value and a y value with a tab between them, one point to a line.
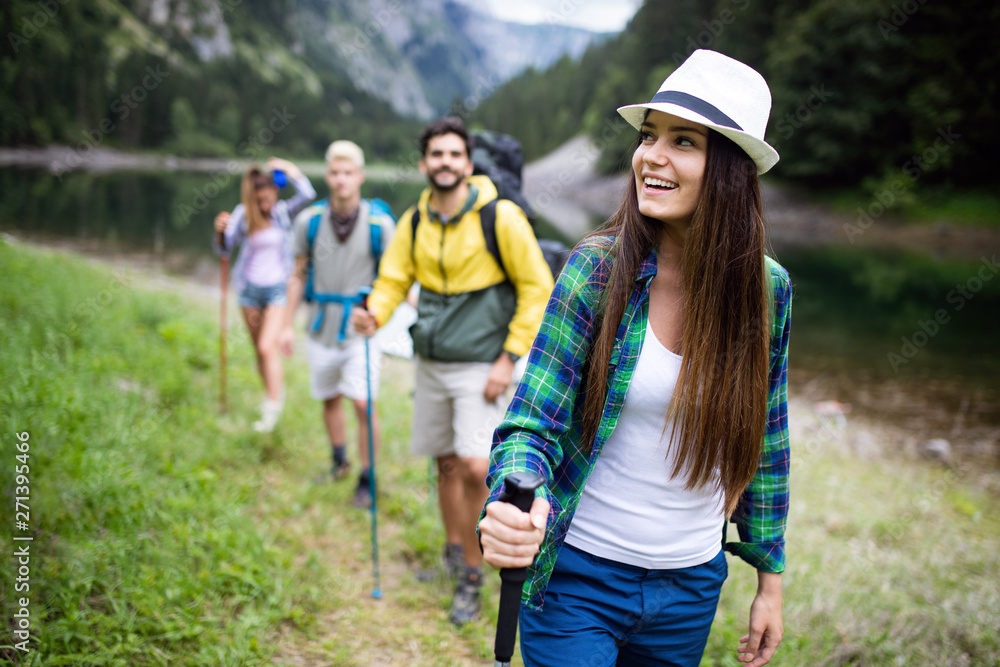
720	93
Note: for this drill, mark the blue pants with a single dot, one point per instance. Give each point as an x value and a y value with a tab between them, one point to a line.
599	612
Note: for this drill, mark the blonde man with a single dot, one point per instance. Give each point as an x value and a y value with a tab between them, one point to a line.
338	243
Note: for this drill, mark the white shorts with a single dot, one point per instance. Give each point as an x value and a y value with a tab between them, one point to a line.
340	371
450	415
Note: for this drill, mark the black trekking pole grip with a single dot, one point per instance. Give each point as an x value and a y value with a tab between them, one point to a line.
519	491
363	293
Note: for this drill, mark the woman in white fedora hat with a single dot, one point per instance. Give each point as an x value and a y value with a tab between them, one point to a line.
653	403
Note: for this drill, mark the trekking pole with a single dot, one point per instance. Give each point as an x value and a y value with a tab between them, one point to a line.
519	491
377	588
224	284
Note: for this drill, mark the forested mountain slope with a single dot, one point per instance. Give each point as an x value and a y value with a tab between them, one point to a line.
205	77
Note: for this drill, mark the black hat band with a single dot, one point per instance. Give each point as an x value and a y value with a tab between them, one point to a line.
697	105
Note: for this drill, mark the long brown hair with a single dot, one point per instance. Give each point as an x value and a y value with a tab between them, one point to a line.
719	405
254	178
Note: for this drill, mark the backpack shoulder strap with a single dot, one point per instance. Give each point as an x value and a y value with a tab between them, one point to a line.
376	207
313	229
380	207
488	218
311	232
414	221
375	238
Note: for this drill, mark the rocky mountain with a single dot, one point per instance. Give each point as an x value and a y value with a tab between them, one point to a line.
206	77
421	56
425	56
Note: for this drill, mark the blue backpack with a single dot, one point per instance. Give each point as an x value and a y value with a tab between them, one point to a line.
375	207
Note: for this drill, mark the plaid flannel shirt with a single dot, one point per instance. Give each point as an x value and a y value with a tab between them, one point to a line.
542	428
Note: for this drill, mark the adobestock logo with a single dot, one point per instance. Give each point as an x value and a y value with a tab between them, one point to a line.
928	329
30	26
713	29
914	168
900	14
363	35
122	107
788	125
251	148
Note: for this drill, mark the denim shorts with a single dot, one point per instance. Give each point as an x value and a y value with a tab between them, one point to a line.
254	296
599	613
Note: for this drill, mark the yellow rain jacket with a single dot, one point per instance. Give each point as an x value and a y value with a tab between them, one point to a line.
451	263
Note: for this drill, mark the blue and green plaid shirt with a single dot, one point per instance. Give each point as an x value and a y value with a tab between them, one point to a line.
542	428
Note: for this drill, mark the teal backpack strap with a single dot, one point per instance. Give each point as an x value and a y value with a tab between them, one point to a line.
377	207
311	231
344	300
375	239
380	207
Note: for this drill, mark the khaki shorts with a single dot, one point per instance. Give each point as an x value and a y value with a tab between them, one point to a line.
450	415
340	371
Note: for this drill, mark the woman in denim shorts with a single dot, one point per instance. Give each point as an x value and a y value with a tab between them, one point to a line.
261	225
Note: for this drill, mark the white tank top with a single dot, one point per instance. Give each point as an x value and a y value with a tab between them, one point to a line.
631	511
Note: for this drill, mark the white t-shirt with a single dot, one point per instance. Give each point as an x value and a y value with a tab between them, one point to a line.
631	511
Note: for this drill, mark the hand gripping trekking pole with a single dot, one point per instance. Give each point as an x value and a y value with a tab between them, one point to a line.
519	491
377	587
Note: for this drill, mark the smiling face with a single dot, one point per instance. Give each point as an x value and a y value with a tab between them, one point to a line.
446	162
669	165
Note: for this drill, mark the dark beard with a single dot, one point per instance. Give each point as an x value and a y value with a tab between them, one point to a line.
445	188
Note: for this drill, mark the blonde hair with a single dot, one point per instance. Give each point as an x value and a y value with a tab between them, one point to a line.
346	149
254	178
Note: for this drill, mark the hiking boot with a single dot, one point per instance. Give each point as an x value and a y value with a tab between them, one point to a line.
453	561
336	473
465	604
362	496
340	469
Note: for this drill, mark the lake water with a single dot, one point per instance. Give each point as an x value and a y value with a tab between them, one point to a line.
901	337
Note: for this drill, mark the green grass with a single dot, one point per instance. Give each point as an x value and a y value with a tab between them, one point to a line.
168	535
890	562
